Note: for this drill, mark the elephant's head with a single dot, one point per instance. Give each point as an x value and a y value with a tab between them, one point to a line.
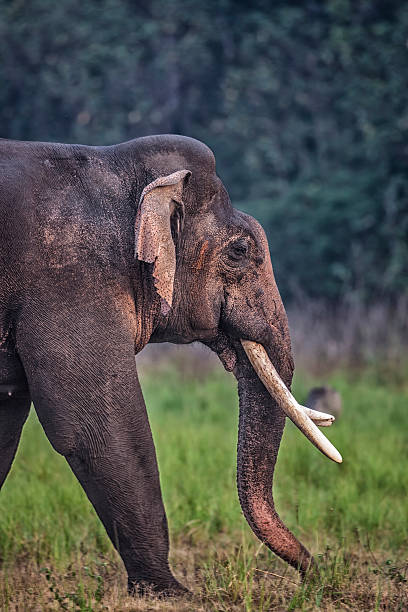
214	283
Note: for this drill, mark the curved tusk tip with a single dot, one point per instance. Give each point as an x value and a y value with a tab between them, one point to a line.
336	457
322	419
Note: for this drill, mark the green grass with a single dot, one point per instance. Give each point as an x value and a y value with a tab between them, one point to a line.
353	515
367	494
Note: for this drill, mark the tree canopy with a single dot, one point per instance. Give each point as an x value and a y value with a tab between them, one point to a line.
303	103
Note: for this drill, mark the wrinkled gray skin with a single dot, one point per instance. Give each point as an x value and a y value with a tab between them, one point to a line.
76	304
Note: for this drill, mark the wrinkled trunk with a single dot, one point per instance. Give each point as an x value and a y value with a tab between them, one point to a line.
261	424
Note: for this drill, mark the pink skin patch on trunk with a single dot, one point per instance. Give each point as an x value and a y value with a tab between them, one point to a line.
276	535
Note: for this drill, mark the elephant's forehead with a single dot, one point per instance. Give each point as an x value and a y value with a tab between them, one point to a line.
253	227
164	162
224	222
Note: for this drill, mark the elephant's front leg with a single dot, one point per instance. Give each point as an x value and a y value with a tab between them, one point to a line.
122	482
86	393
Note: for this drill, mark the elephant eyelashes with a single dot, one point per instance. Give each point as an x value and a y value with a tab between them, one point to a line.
238	251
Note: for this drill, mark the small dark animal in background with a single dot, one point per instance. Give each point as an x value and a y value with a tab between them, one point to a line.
325	399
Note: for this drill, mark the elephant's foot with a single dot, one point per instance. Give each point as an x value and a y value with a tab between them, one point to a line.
137	588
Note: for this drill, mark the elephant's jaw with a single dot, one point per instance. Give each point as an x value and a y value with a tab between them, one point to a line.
304	418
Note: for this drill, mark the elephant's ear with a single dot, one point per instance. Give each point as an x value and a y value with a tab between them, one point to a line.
161	203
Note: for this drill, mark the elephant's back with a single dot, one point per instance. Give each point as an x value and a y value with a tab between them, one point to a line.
60	213
14	187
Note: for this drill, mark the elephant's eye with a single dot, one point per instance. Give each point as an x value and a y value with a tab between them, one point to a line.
238	250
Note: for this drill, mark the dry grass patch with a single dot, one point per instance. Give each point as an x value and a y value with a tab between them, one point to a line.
228	578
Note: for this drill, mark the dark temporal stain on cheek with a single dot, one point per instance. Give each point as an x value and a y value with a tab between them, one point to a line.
199	263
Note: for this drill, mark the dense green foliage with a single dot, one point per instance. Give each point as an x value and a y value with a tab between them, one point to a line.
46	520
304	104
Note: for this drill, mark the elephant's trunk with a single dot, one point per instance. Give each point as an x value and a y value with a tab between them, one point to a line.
261	424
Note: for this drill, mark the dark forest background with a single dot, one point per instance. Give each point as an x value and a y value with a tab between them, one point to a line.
304	103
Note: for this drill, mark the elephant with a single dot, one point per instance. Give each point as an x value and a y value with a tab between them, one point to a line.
103	250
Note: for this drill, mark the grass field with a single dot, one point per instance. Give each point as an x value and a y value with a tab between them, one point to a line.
56	556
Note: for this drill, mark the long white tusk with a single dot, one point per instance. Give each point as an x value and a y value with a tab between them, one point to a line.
278	390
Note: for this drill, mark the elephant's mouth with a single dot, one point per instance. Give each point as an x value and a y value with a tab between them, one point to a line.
222	346
304	418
